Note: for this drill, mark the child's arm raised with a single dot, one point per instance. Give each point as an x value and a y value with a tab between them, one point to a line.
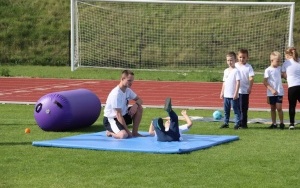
187	118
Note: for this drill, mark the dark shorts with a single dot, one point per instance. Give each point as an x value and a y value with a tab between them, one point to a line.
114	125
274	99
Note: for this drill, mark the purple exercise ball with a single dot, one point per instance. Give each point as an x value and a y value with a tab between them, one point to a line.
67	110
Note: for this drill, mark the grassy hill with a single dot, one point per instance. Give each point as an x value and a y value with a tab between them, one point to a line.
36	32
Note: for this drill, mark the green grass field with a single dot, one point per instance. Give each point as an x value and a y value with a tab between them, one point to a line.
36	32
261	158
114	74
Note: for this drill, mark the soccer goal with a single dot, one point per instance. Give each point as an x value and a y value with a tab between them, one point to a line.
176	35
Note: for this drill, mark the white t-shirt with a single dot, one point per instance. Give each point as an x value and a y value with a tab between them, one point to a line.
182	129
246	71
292	70
118	99
274	79
230	77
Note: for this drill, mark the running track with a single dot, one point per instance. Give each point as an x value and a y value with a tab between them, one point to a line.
184	94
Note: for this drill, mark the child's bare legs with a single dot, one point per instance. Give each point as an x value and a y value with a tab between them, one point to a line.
278	107
280	114
273	114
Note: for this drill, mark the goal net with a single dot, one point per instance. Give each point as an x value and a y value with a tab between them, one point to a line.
176	35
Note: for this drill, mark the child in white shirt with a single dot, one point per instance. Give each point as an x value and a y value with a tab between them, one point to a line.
246	83
291	72
273	83
230	91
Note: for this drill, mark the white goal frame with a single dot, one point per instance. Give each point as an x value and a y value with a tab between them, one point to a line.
74	20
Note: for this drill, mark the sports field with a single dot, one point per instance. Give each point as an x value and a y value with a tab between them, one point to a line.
34	60
261	158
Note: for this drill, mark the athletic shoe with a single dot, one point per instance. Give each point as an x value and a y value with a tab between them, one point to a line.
224	126
243	127
236	127
158	123
292	126
273	126
168	105
281	125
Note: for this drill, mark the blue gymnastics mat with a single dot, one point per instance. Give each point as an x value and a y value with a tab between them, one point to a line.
147	144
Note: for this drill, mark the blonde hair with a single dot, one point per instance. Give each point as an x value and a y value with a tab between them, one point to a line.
231	54
291	51
276	54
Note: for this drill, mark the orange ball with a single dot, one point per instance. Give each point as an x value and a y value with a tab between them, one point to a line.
27	130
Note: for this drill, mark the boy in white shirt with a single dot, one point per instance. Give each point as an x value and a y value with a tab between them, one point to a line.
229	91
273	83
246	83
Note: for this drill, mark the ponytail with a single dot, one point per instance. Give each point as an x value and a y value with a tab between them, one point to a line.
291	51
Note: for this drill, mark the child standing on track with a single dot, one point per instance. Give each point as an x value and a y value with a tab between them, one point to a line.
272	81
246	83
230	91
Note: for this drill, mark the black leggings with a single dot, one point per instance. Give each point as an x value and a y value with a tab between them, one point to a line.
293	97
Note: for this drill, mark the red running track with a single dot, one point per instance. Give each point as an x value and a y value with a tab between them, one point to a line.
153	93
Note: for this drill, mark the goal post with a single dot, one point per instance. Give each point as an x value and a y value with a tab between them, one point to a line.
176	35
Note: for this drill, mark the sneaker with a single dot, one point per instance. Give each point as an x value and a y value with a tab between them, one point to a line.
224	126
281	125
273	126
236	127
168	105
158	123
243	127
292	126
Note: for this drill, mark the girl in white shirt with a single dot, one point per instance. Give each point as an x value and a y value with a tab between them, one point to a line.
291	72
